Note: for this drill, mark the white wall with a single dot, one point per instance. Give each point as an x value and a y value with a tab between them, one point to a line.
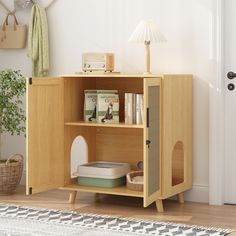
105	26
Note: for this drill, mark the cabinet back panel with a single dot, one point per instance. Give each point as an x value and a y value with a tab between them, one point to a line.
123	85
75	86
89	134
119	145
74	97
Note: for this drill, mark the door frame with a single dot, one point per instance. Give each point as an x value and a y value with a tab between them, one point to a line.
216	111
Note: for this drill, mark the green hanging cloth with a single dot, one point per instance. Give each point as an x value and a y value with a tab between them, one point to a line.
38	49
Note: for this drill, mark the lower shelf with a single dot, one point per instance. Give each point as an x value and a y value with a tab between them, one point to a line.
122	190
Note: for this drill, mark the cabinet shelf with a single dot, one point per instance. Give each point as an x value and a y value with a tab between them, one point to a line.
121	190
119	125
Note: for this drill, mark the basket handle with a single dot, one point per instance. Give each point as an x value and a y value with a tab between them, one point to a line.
15	157
128	177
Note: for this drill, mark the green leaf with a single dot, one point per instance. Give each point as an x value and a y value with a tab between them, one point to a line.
12	91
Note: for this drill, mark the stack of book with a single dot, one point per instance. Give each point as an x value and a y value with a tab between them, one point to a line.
133	108
101	106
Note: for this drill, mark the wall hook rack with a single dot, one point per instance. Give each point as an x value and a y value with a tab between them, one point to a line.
23	2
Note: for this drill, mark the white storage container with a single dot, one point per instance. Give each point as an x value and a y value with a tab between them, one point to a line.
104	170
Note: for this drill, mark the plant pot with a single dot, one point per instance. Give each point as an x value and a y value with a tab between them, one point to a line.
10	174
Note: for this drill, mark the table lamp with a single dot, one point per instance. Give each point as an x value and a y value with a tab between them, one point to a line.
147	32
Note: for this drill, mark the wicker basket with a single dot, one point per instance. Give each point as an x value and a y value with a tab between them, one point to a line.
10	174
130	184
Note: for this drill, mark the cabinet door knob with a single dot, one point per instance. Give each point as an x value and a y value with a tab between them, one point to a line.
148	142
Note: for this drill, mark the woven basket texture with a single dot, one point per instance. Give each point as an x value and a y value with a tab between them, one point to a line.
10	174
134	186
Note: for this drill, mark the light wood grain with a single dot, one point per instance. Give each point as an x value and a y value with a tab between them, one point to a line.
123	85
119	145
122	190
106	61
150	198
111	142
147	48
72	197
74	96
111	75
118	125
177	126
180	198
45	134
120	206
159	205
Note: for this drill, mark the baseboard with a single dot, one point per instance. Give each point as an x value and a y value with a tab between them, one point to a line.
198	193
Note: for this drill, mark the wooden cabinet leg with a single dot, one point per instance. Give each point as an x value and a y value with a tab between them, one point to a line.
159	205
72	197
180	197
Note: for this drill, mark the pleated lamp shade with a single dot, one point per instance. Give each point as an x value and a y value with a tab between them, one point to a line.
147	31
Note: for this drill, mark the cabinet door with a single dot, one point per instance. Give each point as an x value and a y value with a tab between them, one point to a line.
152	152
45	134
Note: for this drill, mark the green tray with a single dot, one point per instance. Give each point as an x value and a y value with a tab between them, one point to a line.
104	183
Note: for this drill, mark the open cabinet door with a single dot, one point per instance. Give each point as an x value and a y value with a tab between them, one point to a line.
45	134
152	151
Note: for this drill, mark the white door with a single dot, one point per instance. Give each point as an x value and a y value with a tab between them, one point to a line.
230	101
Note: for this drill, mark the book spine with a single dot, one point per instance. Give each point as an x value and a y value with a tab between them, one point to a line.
128	108
141	108
138	109
108	108
133	108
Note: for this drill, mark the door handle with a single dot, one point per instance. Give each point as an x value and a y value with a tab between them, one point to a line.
231	75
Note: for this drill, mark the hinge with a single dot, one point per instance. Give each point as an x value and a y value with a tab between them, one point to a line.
30	80
30	190
147	118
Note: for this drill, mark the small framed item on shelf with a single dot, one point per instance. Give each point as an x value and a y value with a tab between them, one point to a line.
90	105
101	106
97	62
107	106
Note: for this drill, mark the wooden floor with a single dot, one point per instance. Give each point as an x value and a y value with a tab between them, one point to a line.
187	213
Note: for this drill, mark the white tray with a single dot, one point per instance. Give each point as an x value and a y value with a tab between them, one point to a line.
103	170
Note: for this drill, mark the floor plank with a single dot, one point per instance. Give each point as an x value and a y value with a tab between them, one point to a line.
187	213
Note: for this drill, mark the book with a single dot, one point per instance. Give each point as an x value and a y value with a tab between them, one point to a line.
129	108
139	109
107	106
133	108
90	105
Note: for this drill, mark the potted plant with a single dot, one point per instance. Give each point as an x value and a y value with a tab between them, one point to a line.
12	120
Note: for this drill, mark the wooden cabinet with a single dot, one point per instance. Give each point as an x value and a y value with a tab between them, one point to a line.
55	118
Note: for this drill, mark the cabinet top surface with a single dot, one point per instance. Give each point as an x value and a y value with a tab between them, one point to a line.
118	75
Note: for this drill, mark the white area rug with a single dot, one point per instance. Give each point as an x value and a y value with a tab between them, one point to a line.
23	221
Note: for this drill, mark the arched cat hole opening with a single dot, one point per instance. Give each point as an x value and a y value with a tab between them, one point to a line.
78	154
178	163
